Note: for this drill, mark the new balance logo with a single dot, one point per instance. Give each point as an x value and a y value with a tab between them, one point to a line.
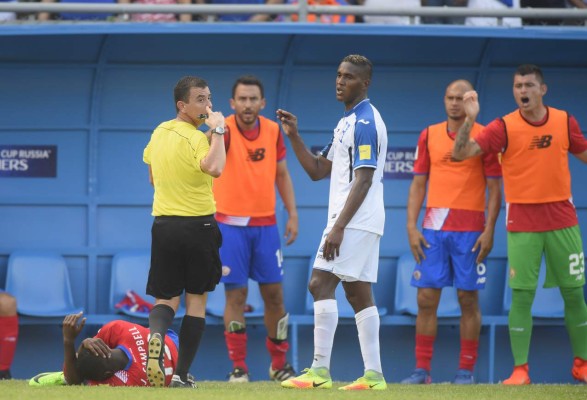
541	142
314	384
447	157
257	154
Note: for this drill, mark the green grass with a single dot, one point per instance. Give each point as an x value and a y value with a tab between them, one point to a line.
19	389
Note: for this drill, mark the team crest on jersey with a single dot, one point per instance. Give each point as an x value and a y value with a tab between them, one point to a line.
417	275
343	131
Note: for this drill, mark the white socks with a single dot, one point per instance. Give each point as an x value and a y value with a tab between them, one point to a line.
325	322
368	327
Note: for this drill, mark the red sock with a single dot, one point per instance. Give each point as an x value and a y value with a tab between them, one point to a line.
277	352
424	350
8	337
468	356
237	349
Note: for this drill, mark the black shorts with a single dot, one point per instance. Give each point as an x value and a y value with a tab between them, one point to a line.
184	256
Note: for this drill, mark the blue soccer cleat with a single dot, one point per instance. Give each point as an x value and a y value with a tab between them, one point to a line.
464	377
419	377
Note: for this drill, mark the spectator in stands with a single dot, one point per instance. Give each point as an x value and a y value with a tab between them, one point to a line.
492	21
242	17
7	16
543	4
158	17
392	19
349	249
582	4
454	224
541	221
245	211
8	333
184	155
326	18
76	16
113	357
444	3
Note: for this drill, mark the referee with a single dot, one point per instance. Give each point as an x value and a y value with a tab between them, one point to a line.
184	155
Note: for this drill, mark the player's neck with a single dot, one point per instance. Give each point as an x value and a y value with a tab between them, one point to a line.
453	125
535	115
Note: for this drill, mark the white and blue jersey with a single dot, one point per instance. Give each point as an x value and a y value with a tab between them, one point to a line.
359	141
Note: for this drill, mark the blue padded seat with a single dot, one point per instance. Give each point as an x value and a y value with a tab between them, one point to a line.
406	296
130	271
345	310
40	282
217	300
548	303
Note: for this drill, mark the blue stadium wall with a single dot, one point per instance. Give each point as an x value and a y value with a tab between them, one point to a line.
97	91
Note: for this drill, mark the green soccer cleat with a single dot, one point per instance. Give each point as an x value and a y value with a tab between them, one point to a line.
48	379
312	378
372	380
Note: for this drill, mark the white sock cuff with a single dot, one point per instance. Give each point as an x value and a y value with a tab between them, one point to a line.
325	306
366	313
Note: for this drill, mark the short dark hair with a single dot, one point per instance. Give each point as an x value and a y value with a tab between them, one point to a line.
529	69
92	367
181	92
360	61
248	80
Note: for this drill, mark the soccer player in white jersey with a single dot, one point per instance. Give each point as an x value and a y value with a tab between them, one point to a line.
349	250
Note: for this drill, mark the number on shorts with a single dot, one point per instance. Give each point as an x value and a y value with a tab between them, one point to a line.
279	256
577	264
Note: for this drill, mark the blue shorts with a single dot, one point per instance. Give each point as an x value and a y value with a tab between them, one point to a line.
449	260
251	252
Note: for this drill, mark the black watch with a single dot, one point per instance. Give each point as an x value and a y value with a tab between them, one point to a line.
219	130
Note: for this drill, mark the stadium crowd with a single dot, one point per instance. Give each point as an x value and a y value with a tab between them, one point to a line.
328	19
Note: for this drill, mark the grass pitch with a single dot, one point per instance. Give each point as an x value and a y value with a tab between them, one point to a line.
213	390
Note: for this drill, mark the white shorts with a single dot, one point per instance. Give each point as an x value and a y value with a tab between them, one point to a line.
358	259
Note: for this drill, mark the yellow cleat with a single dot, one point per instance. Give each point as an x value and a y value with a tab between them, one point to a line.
372	380
312	378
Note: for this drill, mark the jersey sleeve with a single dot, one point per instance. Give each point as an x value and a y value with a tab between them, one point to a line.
577	142
422	163
491	165
281	149
492	139
366	146
325	152
147	154
200	147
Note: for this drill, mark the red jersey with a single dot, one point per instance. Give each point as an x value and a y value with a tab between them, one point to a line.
452	219
133	339
538	217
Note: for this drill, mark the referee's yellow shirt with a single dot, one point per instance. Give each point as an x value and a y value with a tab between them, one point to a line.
174	153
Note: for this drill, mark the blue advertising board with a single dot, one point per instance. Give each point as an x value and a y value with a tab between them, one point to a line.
28	161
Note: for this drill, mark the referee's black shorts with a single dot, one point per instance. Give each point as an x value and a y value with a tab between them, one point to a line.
184	256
